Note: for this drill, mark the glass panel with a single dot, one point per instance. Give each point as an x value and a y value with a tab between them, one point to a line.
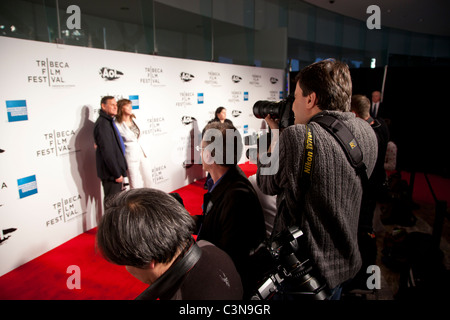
264	33
234	34
24	20
113	25
183	34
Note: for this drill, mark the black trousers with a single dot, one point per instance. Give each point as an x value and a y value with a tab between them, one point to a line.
110	188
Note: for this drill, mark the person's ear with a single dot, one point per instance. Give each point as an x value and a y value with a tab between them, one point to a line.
311	100
207	157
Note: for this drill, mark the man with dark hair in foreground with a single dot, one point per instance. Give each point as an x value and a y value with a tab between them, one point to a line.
150	232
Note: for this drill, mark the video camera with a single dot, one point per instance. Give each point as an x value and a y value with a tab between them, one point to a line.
284	250
281	110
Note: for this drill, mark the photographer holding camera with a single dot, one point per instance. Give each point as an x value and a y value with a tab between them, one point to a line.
327	209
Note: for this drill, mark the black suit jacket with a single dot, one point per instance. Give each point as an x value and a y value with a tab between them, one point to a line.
110	161
233	219
382	113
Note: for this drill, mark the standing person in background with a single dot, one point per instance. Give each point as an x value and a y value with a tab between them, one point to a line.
360	105
377	108
221	116
110	159
232	215
139	169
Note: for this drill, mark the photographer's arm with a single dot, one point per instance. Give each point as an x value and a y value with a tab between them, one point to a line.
273	124
270	174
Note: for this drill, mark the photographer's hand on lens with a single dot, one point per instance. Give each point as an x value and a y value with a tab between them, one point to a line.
273	123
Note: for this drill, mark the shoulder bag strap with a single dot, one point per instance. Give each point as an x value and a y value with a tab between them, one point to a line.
172	276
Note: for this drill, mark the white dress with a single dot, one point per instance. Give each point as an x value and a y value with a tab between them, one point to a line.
139	167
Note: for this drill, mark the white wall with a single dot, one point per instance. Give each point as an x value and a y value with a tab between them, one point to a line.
57	90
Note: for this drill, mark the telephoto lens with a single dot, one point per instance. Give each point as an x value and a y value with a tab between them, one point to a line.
262	109
281	110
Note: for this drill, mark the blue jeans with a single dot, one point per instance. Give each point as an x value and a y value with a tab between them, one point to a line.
336	293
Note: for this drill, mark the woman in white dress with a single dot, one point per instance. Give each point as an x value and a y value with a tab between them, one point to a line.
139	169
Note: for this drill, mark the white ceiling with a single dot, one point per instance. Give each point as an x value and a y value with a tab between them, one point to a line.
422	16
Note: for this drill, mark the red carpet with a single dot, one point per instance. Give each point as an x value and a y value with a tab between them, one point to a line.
45	277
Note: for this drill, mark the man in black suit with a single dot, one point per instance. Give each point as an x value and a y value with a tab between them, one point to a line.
110	159
376	103
360	105
378	108
232	215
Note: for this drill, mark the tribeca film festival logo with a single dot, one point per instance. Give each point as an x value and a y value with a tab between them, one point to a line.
256	80
153	76
51	72
213	79
275	95
159	174
185	99
238	96
155	126
66	209
57	143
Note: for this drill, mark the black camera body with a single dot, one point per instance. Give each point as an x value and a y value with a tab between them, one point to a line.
285	253
281	110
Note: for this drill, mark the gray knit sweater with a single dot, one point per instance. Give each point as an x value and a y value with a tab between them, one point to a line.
330	221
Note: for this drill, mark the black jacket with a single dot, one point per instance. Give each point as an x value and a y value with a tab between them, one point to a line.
233	219
110	161
213	277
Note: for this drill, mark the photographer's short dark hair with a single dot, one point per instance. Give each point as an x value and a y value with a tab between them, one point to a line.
231	149
331	81
141	225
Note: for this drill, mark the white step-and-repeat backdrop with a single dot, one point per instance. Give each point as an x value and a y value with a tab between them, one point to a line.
50	96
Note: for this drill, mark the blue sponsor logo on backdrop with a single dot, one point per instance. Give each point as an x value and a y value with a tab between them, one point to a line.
134	102
200	98
27	186
17	110
245	96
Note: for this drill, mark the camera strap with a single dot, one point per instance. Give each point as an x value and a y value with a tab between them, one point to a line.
351	149
288	201
347	141
166	284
